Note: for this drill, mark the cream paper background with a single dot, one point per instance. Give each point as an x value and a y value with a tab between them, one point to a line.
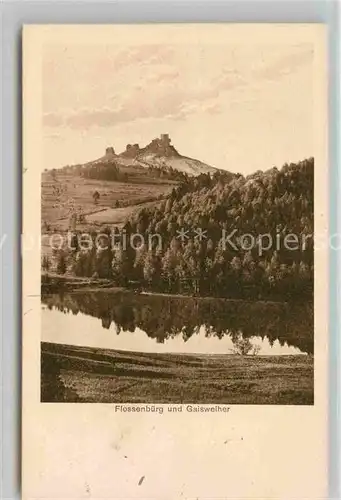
89	451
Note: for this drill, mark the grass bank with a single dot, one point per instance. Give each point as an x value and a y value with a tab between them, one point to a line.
54	283
84	374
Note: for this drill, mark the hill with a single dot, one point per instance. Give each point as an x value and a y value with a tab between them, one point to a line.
160	153
158	159
262	211
132	178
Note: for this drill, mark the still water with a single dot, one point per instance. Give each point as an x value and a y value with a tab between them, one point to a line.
163	324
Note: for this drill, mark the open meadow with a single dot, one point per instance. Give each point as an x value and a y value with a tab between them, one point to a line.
116	202
84	374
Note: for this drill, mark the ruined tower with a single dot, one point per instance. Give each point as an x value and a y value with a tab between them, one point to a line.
109	151
165	139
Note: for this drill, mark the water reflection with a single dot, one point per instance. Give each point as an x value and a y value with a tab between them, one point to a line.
175	324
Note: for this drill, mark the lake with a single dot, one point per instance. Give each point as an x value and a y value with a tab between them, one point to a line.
165	324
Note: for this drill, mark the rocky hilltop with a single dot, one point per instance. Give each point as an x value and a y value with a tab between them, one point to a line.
160	146
159	153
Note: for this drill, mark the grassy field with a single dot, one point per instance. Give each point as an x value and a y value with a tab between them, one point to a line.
82	374
117	216
70	190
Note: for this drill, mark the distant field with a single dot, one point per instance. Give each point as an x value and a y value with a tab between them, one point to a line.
97	219
117	216
78	192
84	374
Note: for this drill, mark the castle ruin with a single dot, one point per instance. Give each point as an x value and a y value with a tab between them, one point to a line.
109	151
160	145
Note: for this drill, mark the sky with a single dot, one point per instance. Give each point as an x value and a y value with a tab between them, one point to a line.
240	107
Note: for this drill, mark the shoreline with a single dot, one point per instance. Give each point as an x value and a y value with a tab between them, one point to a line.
73	284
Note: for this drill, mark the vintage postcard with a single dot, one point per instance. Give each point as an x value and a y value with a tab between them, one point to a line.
175	248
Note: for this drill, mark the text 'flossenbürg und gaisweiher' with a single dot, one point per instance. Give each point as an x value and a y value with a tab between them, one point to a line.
172	408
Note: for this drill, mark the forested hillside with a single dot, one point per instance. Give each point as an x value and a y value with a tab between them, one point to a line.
221	235
114	171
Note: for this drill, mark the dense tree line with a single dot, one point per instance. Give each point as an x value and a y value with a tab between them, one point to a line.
104	172
185	248
167	173
113	172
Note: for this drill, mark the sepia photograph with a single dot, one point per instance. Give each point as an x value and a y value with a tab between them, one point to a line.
175	261
177	222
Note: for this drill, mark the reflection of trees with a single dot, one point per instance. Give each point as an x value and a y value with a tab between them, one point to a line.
162	317
106	322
